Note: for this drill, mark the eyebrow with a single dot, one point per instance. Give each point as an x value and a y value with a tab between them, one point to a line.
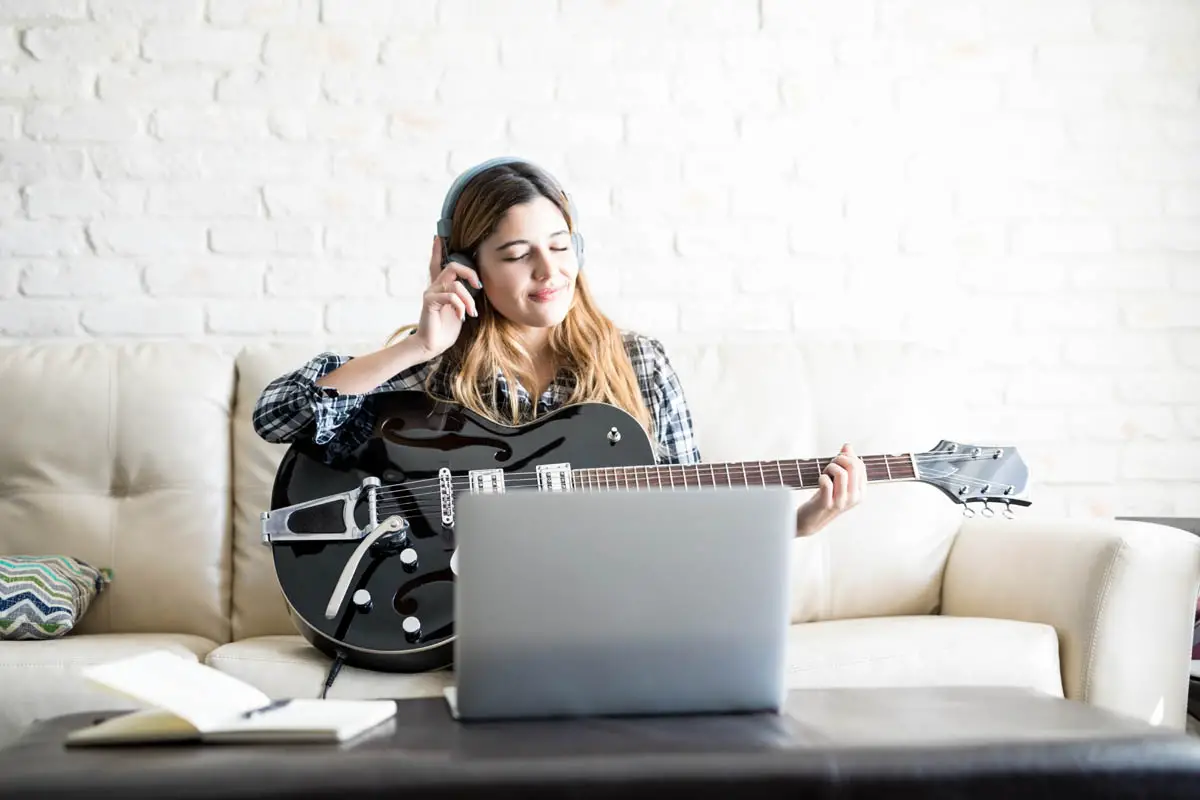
526	241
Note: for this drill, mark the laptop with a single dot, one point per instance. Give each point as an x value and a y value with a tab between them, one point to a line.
621	603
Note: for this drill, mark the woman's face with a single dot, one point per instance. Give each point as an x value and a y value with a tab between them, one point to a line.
528	266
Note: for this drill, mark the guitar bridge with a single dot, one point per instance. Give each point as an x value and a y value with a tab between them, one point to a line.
324	519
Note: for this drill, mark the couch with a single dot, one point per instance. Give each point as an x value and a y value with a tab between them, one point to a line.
140	457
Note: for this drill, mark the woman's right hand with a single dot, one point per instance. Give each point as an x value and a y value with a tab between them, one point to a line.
445	304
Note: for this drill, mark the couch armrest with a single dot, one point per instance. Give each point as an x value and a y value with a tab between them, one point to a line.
1121	594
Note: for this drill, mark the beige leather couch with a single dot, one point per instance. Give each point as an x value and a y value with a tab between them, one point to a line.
141	457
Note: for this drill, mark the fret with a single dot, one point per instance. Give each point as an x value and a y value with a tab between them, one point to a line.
684	472
728	477
800	472
887	465
712	472
779	469
745	478
762	479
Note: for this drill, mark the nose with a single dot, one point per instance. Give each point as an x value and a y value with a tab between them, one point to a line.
543	266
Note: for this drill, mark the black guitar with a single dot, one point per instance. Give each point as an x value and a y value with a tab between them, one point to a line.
364	547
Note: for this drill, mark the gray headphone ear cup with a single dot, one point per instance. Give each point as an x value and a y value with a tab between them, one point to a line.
460	258
577	243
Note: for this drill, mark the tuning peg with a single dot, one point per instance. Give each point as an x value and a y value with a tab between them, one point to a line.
1008	512
968	512
987	510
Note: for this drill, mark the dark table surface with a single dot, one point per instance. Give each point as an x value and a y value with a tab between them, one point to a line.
913	742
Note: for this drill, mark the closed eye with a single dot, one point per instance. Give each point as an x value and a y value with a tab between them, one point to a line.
524	256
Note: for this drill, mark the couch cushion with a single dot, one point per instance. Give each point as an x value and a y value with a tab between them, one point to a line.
924	651
41	679
122	460
287	666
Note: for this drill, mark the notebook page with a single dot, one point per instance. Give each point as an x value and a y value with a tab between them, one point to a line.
203	696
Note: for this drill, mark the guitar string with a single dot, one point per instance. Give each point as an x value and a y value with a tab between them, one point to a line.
881	462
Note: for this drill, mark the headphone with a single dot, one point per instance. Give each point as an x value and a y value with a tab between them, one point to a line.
445	222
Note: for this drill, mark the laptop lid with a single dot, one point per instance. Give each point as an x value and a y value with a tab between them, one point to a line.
622	602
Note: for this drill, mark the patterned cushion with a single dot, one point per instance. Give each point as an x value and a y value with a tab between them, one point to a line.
44	597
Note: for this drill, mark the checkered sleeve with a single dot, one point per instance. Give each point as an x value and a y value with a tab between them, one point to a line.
675	435
293	405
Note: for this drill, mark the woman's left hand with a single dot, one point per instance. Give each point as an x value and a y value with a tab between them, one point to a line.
840	487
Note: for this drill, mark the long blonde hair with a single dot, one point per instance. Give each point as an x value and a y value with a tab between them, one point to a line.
586	342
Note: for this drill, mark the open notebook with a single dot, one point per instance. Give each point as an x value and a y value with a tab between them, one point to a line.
191	701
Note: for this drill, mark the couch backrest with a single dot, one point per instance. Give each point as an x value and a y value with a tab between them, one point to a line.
142	458
119	454
753	399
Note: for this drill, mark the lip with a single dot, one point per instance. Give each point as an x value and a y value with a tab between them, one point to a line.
546	294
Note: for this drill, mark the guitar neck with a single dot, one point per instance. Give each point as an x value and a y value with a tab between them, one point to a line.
790	473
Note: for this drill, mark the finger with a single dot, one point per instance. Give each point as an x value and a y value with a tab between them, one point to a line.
454	270
465	294
825	491
435	259
441	299
841	484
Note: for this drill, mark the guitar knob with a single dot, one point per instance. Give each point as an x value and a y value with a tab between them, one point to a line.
412	628
362	599
408	559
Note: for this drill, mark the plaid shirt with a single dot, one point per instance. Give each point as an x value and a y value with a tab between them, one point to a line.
292	405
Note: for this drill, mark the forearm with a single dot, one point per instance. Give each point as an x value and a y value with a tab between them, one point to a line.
364	373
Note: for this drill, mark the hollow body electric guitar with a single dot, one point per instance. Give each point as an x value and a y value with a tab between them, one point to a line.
364	546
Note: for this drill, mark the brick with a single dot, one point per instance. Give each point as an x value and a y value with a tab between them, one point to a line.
1183	201
818	17
82	43
1154	20
1053	312
261	12
652	316
41	238
86	277
1164	461
979	345
81	124
1114	129
415	163
615	90
1186	274
506	91
739	240
26	162
444	127
269	161
949	235
133	237
264	237
202	199
210	123
1155	93
1094	59
765	51
1032	20
1187	348
52	83
145	161
936	19
325	279
1118	350
204	276
697	279
367	239
1071	388
333	200
657	129
307	46
843	94
10	200
328	125
83	199
761	313
257	88
550	128
1067	236
35	319
263	316
1061	94
1179	235
1127	498
157	85
10	276
1172	386
141	12
480	50
607	17
1122	423
1159	164
1056	462
841	313
1041	425
1120	272
371	318
671	201
1189	420
935	95
151	318
737	91
27	11
192	46
1166	311
374	86
409	14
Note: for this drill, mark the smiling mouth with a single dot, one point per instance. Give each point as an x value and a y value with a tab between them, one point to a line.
546	294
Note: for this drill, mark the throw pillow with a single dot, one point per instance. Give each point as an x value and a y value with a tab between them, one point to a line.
44	597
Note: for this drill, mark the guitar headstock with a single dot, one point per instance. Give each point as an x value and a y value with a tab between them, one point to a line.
971	473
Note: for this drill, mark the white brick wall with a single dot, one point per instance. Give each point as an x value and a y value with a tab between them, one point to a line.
234	169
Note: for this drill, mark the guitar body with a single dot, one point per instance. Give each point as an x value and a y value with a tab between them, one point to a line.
415	440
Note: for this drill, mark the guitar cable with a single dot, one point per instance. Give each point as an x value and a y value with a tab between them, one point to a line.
334	669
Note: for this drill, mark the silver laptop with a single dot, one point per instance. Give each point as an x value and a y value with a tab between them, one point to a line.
621	603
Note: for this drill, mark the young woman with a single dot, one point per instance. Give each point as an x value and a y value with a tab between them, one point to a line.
509	329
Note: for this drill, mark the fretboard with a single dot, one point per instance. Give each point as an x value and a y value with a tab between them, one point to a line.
793	474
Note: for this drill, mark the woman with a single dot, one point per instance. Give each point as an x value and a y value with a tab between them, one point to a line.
507	318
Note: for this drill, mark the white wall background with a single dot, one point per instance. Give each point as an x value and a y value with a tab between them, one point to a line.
1016	179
